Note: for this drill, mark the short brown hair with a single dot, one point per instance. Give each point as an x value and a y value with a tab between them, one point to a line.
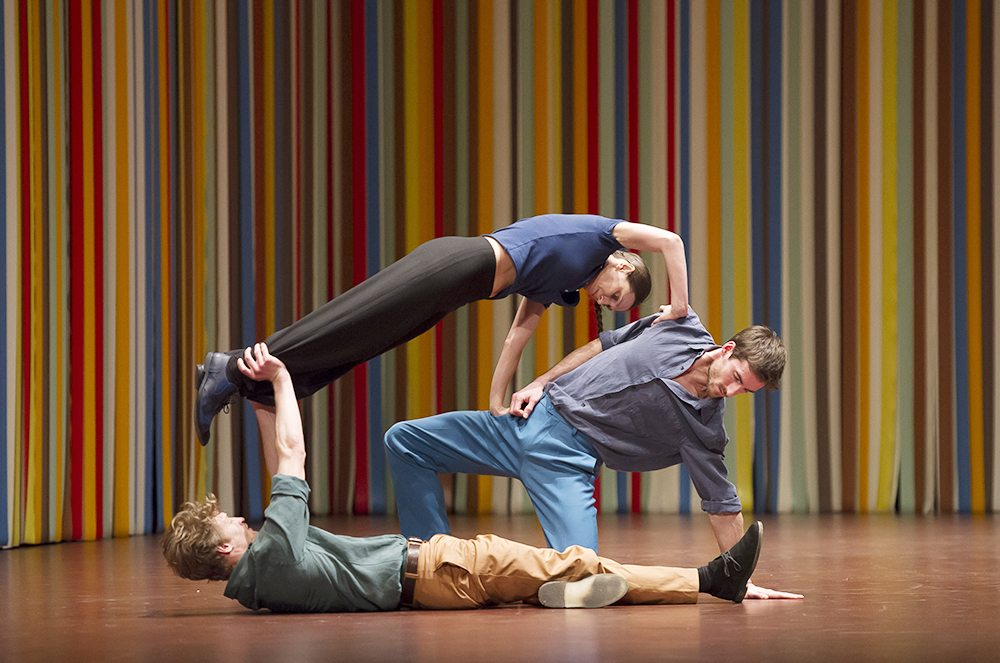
764	353
190	543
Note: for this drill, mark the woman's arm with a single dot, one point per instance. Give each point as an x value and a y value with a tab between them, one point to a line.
656	240
521	330
524	401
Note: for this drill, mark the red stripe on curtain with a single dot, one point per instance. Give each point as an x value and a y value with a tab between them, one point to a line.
77	386
633	112
98	168
25	244
593	120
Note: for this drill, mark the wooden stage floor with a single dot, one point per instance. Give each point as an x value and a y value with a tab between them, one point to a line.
878	588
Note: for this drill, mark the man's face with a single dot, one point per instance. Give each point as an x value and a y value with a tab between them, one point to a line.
235	530
728	377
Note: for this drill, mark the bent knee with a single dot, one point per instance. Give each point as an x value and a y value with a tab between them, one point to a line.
395	438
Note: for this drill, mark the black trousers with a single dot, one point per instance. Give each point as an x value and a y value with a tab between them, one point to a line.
392	307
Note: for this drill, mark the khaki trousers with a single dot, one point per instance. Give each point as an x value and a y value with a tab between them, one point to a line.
490	570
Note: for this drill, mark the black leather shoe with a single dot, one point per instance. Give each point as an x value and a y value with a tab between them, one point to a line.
731	570
214	393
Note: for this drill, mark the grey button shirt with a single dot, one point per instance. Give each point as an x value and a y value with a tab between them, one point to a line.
638	418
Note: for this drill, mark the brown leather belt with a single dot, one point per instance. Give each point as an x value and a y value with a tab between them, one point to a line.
410	571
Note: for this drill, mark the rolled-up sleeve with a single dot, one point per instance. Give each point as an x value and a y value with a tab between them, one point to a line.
709	476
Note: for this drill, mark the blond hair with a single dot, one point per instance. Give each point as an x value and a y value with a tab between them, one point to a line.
191	541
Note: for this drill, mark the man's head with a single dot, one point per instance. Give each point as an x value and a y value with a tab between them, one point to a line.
750	360
203	543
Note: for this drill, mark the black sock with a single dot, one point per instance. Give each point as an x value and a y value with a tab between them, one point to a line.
235	375
704	579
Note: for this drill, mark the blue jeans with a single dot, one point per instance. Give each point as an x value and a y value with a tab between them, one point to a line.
556	463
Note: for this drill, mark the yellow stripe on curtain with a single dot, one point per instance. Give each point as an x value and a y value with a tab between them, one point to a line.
889	203
484	168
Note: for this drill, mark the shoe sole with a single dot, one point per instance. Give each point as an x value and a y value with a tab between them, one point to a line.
596	591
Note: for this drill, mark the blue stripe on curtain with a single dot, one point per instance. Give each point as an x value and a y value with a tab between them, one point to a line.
149	30
249	331
772	221
758	190
684	227
963	433
374	367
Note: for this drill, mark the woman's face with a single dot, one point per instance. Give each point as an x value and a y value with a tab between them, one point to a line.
611	287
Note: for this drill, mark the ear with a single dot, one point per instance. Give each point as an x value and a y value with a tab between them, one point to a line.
225	548
728	348
625	266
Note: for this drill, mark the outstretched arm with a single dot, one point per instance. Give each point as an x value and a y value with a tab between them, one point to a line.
280	426
728	529
521	330
523	402
644	237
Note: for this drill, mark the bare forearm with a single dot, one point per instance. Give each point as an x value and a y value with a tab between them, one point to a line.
265	424
673	255
289	442
504	373
521	331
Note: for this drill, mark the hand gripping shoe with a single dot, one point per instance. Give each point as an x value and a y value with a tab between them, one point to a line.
595	591
731	571
214	393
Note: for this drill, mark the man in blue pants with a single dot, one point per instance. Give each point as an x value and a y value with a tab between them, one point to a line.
639	398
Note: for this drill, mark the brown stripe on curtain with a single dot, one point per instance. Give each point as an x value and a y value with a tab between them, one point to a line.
849	258
820	76
945	321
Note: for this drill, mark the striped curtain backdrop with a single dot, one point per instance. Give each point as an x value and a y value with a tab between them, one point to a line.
185	175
